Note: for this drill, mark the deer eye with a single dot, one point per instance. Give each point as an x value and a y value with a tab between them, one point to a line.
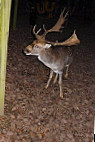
36	46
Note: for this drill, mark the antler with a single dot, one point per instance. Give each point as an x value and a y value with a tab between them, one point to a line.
73	40
55	28
36	33
59	23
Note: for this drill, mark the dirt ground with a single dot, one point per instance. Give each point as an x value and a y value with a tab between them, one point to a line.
36	114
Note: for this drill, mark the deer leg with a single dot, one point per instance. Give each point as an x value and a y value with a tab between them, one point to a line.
66	74
55	79
60	85
50	77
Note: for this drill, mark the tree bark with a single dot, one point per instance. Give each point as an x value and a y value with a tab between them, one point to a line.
4	33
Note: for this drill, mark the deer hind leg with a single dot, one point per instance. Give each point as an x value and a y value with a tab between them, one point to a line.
60	85
55	79
50	77
66	74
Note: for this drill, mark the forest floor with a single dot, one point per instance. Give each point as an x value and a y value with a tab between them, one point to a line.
36	114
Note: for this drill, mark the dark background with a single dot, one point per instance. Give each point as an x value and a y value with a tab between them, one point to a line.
28	10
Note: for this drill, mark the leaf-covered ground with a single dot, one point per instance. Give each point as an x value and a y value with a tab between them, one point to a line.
35	114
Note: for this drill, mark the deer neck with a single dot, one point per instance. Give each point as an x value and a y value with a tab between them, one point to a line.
44	56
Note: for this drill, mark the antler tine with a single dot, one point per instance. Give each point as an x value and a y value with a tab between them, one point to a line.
38	30
34	29
61	15
65	14
36	33
44	28
64	17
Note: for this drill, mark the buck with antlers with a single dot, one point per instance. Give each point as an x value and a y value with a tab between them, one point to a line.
55	55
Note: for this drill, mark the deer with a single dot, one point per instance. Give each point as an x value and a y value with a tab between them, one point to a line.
55	55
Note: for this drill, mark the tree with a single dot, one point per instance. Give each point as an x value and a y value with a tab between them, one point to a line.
4	33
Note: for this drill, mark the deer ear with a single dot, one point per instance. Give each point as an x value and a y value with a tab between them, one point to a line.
47	45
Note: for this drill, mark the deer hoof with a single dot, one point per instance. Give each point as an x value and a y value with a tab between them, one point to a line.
46	86
66	76
61	96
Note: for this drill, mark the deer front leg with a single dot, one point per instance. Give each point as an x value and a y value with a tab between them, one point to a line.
50	77
66	74
60	85
55	79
